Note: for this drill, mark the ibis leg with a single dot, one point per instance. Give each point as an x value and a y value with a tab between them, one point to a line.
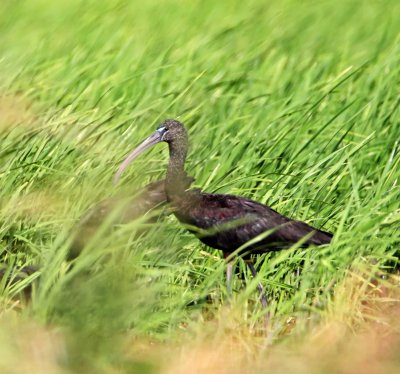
261	291
229	271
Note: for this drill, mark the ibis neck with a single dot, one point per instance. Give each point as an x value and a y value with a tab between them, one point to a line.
175	182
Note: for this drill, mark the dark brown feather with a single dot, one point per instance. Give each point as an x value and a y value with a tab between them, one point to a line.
227	222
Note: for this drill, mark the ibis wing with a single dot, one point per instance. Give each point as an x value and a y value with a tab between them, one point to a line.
232	221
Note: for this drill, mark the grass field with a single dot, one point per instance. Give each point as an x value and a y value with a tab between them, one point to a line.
292	103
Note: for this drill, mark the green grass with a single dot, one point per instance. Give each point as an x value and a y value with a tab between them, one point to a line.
293	104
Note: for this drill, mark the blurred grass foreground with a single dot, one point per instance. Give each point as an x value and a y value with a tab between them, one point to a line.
292	103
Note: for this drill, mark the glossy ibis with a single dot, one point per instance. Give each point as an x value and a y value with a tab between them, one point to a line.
11	278
229	223
122	209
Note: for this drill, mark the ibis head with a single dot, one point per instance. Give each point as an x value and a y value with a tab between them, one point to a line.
170	131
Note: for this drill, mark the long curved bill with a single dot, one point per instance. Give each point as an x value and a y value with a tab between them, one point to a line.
149	142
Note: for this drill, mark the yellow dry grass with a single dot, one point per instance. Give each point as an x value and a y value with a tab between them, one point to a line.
15	111
358	334
27	347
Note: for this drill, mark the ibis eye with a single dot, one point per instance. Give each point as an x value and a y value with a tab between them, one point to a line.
162	130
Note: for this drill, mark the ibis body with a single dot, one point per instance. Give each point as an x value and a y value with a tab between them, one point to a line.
225	222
